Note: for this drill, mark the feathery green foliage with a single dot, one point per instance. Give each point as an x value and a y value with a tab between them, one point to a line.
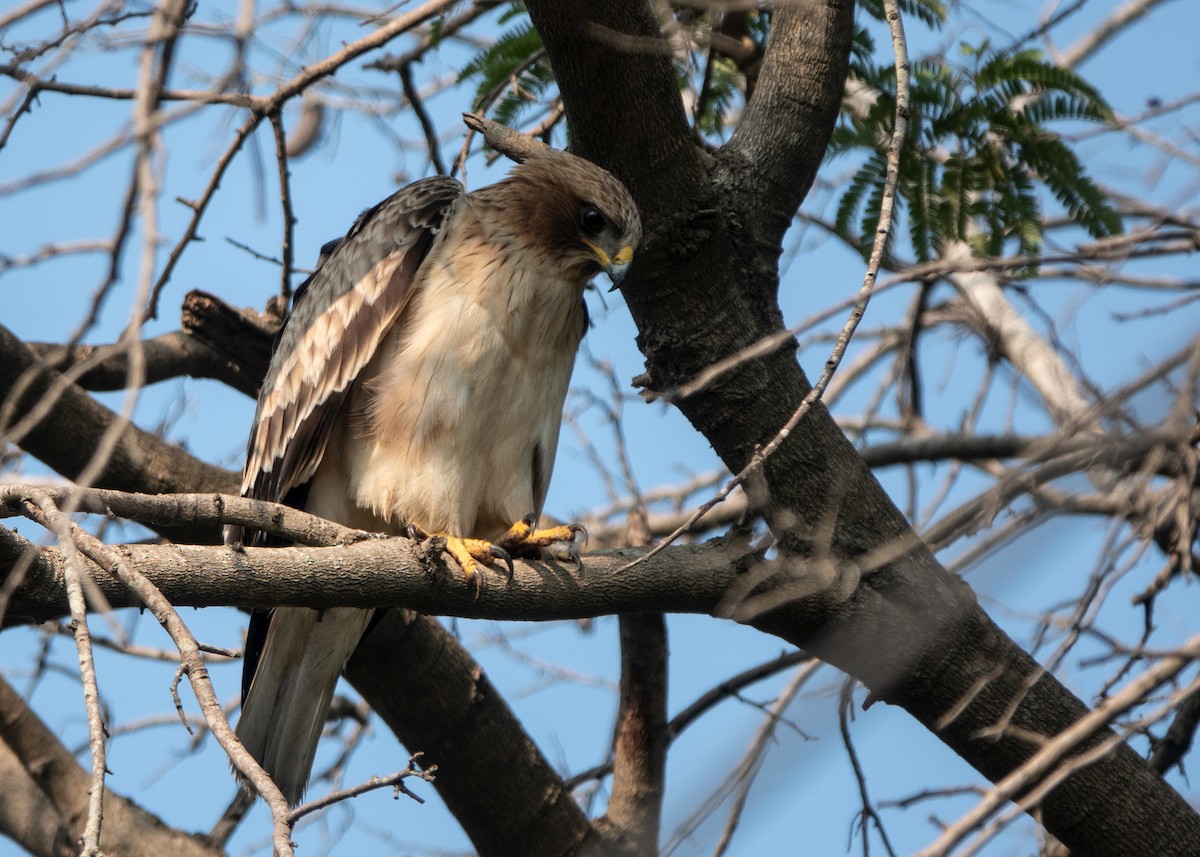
978	146
512	73
719	97
978	159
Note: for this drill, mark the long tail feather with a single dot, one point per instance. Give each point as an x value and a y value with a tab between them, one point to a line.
284	711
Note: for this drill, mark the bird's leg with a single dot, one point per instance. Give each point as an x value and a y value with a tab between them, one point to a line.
470	554
522	539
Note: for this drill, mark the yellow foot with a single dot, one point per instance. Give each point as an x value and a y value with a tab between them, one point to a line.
470	554
521	539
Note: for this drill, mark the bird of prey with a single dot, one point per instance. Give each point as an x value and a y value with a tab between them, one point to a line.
418	386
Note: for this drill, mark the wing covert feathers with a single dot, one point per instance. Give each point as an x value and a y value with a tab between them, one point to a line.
334	330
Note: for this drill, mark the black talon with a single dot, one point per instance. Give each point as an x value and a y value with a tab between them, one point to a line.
499	553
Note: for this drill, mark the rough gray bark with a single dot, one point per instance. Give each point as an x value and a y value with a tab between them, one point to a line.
389	573
703	288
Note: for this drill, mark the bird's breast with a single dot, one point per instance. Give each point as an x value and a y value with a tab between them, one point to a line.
457	417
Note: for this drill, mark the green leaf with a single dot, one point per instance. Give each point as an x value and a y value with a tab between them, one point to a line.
513	54
980	159
869	174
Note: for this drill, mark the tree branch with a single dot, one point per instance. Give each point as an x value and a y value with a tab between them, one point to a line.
243	336
875	601
634	811
60	424
778	146
27	816
172	355
128	829
394	572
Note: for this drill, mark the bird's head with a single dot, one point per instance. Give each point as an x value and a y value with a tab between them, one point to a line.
584	216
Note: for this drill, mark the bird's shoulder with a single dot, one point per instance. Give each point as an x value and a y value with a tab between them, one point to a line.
385	229
337	321
424	204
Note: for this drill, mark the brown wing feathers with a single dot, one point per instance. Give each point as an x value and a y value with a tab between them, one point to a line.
335	328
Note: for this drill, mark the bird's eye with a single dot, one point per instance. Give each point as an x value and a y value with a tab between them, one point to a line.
592	220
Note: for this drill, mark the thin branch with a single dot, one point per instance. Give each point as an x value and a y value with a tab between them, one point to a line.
1059	748
46	513
285	202
394	781
427	127
868	811
741	779
262	107
1099	35
206	510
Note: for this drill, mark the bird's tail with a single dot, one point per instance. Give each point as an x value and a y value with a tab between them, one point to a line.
284	710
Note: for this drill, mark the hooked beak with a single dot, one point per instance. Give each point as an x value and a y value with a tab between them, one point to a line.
614	266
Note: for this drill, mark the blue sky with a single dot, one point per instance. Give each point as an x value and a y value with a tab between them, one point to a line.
805	797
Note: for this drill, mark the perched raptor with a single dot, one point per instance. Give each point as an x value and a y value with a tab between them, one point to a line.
418	386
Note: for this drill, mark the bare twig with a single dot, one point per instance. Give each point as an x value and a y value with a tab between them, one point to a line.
1060	747
394	781
48	514
217	510
427	126
285	202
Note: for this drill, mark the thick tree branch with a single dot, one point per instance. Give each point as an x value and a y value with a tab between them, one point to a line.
395	573
779	144
60	424
106	367
634	811
875	602
633	819
244	337
27	816
128	829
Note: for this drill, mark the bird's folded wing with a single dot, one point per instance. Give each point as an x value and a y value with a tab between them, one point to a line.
334	329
